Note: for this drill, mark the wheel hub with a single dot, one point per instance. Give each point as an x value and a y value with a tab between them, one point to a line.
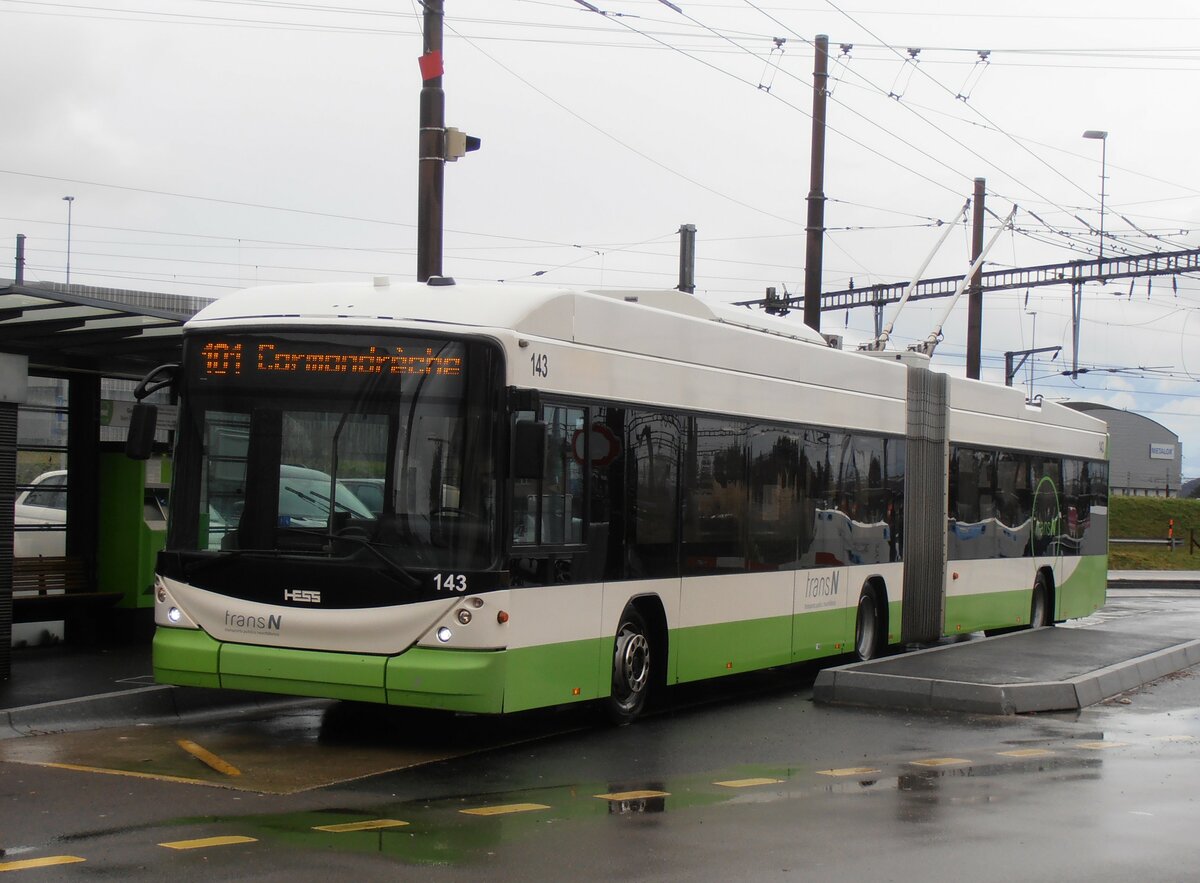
633	661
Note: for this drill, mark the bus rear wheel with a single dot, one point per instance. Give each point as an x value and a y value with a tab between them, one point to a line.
631	669
868	630
1039	606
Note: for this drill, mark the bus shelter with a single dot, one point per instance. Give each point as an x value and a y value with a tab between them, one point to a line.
69	358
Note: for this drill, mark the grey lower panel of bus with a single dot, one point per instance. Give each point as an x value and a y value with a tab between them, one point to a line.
925	516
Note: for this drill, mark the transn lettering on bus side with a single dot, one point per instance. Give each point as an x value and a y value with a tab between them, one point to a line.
823	587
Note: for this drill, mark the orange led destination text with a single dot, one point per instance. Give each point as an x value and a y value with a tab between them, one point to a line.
223	359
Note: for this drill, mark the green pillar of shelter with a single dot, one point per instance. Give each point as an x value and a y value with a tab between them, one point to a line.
133	527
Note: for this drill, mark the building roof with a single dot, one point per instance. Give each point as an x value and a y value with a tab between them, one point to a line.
1098	410
84	328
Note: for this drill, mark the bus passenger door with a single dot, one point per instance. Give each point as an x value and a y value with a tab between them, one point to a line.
555	606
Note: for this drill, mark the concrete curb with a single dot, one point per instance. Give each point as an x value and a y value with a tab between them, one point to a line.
126	707
848	685
1153	583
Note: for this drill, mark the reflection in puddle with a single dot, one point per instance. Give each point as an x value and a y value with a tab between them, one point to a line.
465	827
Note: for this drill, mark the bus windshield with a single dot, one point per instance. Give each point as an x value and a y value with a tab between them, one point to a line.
346	445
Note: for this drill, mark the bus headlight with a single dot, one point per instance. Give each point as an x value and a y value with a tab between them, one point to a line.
174	615
444	634
464	616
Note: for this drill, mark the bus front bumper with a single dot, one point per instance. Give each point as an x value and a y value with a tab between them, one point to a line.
421	677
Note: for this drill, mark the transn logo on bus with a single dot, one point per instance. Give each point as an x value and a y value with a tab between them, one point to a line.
306	596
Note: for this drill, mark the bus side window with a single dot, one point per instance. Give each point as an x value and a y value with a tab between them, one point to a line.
524	498
549	509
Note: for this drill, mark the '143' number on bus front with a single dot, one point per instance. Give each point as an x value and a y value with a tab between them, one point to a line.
450	582
540	363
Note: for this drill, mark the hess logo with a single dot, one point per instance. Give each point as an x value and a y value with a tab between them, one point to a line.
304	596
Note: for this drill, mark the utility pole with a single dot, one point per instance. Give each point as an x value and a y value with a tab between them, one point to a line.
20	274
1076	314
687	258
815	228
431	147
975	293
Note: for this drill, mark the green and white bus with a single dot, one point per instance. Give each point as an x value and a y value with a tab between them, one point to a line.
585	496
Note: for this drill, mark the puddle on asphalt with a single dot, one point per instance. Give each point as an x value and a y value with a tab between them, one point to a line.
284	753
462	828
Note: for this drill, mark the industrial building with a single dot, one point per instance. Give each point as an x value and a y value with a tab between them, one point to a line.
1145	458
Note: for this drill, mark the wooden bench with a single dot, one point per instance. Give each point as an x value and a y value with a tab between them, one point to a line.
50	588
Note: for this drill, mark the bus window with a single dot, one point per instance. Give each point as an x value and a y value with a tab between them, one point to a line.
714	508
549	510
652	442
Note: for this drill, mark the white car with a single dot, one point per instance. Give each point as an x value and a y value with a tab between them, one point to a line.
40	517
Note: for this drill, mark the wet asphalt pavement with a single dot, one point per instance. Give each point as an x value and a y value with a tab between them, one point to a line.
759	785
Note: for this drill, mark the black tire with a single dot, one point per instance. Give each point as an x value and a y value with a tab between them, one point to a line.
631	672
868	626
1039	605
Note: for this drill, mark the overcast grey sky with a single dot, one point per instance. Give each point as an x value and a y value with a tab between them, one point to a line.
214	144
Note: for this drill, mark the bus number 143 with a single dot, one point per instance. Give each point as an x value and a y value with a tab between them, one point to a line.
450	582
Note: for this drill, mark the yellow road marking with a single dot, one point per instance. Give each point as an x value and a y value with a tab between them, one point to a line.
1101	745
503	810
747	783
207	841
940	761
1027	752
1177	738
632	795
207	758
157	777
46	862
372	825
849	771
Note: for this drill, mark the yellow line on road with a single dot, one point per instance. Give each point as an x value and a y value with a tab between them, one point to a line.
1101	745
207	758
206	842
503	810
849	771
940	761
79	768
632	795
372	825
1027	752
747	783
45	862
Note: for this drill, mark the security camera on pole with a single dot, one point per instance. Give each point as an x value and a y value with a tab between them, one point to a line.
437	144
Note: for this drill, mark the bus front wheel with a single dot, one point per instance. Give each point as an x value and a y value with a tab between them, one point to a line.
631	669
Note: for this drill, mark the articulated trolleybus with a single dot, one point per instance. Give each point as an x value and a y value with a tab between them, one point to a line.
495	498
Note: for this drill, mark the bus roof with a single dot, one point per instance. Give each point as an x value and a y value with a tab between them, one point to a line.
537	310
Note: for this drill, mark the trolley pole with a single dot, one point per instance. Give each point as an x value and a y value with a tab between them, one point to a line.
975	293
816	192
431	147
687	258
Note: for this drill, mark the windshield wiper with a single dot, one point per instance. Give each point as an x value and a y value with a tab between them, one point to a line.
371	547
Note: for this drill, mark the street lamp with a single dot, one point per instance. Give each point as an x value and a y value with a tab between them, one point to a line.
69	200
1102	137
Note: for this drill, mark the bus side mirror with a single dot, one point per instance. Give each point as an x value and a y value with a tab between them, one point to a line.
529	449
140	440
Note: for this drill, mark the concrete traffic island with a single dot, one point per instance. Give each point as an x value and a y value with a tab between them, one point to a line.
1048	669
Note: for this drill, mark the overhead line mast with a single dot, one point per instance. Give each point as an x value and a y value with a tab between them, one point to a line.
436	146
